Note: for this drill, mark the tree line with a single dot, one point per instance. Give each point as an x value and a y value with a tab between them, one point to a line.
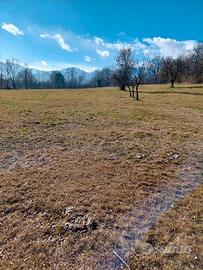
131	72
13	75
128	73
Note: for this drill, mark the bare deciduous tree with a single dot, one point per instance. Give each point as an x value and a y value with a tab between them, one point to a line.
155	66
197	60
129	71
124	68
26	76
12	69
1	74
102	78
137	77
172	69
57	79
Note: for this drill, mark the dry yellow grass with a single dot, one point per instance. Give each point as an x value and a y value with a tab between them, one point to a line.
181	228
76	164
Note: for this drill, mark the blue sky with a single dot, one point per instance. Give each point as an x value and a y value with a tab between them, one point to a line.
53	34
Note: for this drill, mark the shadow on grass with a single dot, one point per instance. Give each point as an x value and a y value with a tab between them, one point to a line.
178	90
190	86
172	92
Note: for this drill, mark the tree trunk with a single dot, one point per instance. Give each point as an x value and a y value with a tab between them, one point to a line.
172	84
26	84
137	92
122	87
7	84
26	81
133	92
14	86
130	91
1	81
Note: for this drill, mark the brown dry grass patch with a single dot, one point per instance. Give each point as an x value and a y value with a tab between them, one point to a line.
70	158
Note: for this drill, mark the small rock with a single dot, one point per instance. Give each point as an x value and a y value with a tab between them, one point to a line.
92	224
68	210
140	156
77	221
191	266
82	224
174	156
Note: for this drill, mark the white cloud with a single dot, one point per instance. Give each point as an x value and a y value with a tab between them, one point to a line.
135	45
103	54
45	36
148	47
62	43
59	39
44	63
88	59
167	46
12	29
100	42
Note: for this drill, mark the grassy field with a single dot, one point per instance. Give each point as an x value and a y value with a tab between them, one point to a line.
88	176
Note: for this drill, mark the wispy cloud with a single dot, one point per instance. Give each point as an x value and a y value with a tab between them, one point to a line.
44	63
88	59
103	54
59	39
100	42
12	29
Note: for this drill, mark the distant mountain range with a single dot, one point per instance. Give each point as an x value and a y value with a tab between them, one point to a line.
43	75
